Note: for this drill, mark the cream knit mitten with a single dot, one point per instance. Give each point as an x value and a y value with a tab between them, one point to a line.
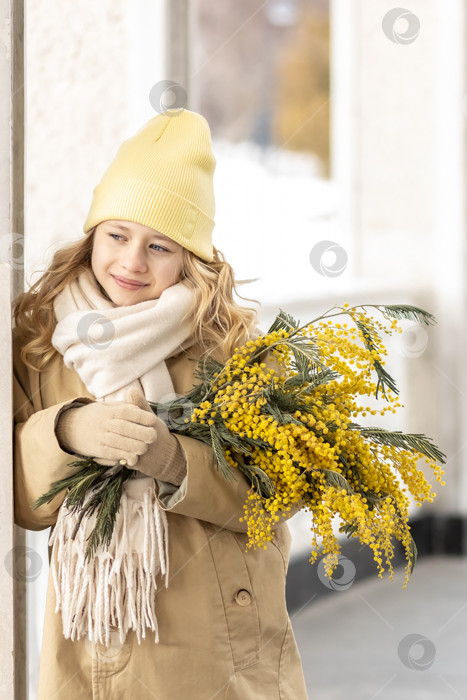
109	432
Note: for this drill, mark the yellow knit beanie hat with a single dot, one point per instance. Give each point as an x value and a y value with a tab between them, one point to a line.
162	177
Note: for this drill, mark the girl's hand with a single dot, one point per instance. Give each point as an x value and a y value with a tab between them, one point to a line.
107	432
164	458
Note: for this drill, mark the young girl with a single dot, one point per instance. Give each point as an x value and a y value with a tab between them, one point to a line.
148	279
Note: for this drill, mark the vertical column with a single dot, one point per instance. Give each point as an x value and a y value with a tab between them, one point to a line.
180	27
12	550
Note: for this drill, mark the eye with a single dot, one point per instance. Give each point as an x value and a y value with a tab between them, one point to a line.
118	236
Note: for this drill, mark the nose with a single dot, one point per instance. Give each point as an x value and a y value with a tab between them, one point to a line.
134	258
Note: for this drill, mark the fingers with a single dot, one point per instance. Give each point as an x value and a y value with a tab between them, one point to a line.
115	453
130	459
134	414
136	397
129	446
129	431
127	440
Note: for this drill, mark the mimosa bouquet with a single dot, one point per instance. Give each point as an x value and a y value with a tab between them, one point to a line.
293	432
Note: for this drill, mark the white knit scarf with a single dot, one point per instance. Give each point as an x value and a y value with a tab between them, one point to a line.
116	588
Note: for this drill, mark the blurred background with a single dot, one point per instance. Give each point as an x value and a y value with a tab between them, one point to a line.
339	131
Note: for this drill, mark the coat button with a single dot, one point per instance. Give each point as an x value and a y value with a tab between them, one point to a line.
243	597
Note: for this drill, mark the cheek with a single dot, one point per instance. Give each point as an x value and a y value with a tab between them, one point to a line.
177	267
169	269
175	272
99	255
98	264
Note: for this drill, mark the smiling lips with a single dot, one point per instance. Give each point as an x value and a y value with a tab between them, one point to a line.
128	284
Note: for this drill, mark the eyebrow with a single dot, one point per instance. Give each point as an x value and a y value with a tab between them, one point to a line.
122	227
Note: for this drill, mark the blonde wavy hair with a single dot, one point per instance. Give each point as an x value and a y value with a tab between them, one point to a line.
219	324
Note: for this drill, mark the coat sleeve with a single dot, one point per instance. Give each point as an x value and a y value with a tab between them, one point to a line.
37	455
205	494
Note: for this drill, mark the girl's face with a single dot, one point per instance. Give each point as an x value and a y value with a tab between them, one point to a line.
134	263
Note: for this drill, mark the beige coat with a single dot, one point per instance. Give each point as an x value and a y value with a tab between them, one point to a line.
224	629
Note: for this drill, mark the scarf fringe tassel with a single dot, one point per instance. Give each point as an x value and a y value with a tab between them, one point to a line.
115	588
